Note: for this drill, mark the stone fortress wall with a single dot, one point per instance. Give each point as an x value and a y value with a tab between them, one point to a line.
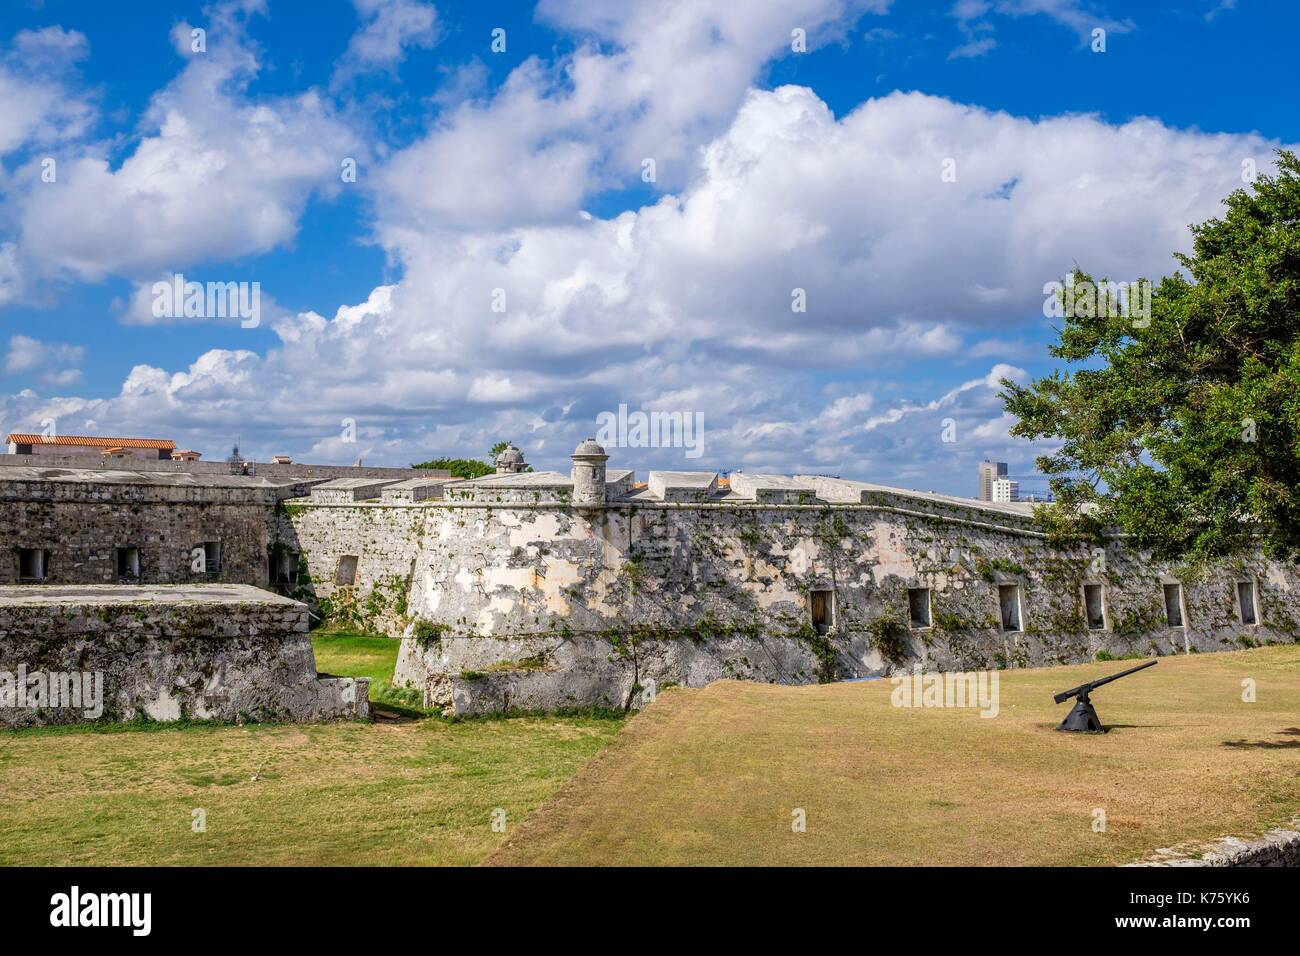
156	582
546	590
206	652
542	590
79	520
544	608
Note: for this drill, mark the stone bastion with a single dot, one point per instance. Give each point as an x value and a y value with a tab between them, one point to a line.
70	653
545	590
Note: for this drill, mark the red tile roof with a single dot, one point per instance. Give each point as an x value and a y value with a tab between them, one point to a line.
20	439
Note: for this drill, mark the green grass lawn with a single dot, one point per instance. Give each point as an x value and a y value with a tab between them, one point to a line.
406	792
349	654
703	776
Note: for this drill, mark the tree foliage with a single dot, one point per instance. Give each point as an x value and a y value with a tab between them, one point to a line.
1184	432
469	467
460	467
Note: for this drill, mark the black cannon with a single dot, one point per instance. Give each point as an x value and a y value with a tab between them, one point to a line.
1083	718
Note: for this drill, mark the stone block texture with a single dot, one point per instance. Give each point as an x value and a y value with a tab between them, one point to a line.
213	652
507	593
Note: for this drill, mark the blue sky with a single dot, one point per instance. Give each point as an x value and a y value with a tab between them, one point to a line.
522	171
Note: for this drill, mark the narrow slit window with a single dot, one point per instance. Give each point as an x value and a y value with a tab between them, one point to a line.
32	564
1174	605
1009	599
821	607
346	574
1094	607
918	606
128	564
1246	601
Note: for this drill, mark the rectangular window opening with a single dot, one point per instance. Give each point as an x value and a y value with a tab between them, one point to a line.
211	557
346	574
1174	605
821	607
1094	607
918	606
128	564
284	567
32	564
1009	599
1246	601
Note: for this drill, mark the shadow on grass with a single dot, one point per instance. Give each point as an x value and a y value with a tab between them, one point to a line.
138	725
1110	727
388	713
1262	744
1268	744
1107	728
384	712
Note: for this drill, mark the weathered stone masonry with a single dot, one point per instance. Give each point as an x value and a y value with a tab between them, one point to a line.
86	546
510	593
204	652
546	590
384	540
80	519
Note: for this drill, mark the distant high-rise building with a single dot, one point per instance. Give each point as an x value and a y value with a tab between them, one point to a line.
990	470
1004	489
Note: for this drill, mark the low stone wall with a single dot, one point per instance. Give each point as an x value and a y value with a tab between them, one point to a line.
217	652
1277	847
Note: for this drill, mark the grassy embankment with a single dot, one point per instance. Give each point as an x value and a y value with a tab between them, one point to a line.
715	775
408	792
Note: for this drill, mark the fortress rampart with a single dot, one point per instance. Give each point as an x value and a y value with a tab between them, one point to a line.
207	652
545	590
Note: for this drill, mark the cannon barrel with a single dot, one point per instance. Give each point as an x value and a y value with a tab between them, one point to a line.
1087	688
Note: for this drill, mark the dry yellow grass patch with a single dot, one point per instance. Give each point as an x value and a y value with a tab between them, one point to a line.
712	776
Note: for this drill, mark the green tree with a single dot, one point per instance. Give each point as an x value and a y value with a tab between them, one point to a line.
469	467
1184	431
460	467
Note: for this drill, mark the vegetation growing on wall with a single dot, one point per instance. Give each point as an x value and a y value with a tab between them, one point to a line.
989	568
827	657
1134	621
428	633
889	637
